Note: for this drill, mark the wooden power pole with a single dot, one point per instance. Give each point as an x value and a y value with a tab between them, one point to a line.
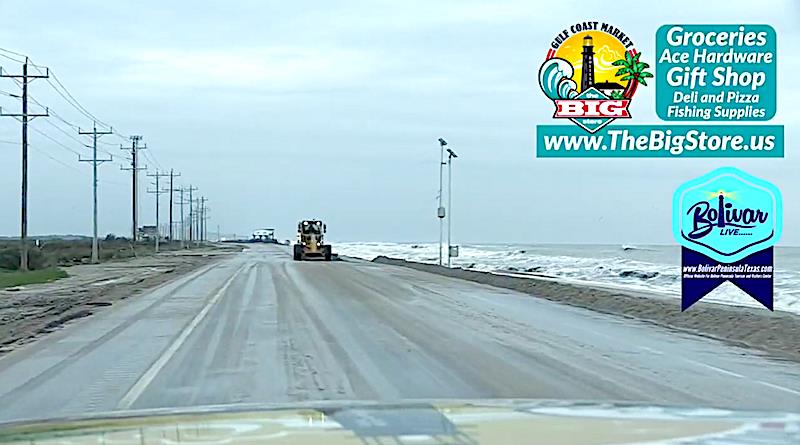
24	118
95	162
172	176
134	168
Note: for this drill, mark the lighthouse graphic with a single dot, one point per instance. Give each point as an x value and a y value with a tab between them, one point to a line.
587	73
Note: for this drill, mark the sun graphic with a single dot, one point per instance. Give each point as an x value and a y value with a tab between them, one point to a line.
607	49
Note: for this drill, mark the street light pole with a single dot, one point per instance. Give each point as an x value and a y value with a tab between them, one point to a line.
440	210
450	155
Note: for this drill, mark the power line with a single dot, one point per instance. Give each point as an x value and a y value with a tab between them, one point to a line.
40	151
76	104
70	124
58	86
58	116
11	58
67	134
149	155
13	52
67	96
71	100
55	141
123	136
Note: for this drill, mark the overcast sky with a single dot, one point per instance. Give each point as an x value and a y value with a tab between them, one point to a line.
281	110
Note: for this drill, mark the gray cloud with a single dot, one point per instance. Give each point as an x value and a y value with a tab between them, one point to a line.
280	111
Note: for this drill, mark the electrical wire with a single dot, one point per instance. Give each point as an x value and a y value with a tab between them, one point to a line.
73	126
56	141
38	150
61	130
11	58
76	104
149	155
13	52
65	94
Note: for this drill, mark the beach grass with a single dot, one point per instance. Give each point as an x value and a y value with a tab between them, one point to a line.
16	278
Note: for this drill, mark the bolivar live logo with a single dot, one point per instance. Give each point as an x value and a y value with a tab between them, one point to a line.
727	222
608	66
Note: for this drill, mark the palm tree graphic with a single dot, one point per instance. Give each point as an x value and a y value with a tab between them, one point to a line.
632	70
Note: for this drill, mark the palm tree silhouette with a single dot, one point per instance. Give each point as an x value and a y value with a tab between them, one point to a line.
633	71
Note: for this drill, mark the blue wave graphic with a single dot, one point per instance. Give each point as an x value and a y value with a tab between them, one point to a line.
555	78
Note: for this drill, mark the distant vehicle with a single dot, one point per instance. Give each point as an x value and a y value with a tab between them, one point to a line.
310	241
264	236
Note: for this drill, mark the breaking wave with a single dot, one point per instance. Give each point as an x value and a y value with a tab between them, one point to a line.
649	270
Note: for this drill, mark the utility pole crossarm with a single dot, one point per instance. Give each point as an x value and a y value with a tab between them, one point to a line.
30	116
27	76
99	161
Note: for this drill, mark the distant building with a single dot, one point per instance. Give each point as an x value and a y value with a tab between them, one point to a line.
148	232
264	236
609	87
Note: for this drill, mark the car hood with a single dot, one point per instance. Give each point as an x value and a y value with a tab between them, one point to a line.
424	422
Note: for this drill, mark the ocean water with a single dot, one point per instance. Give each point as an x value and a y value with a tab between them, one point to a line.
651	269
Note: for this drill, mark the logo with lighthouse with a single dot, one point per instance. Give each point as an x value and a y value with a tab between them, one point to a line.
591	73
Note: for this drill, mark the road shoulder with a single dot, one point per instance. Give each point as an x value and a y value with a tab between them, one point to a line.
30	313
773	333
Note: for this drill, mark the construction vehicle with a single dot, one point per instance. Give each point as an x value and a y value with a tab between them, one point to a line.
310	241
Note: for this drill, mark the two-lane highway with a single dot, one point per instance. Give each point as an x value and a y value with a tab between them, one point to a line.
259	327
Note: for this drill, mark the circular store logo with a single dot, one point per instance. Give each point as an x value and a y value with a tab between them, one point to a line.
591	73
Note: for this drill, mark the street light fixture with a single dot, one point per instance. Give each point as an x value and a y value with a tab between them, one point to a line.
440	213
450	156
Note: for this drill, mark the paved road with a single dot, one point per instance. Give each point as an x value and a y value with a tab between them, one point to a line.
258	327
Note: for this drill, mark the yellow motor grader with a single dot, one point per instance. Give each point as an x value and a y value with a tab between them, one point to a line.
310	241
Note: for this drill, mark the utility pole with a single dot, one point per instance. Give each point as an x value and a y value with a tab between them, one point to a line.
201	216
196	222
440	210
94	161
172	176
450	155
158	193
134	168
183	221
200	204
25	116
191	214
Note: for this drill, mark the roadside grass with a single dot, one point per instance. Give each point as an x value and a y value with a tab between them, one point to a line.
16	278
55	253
